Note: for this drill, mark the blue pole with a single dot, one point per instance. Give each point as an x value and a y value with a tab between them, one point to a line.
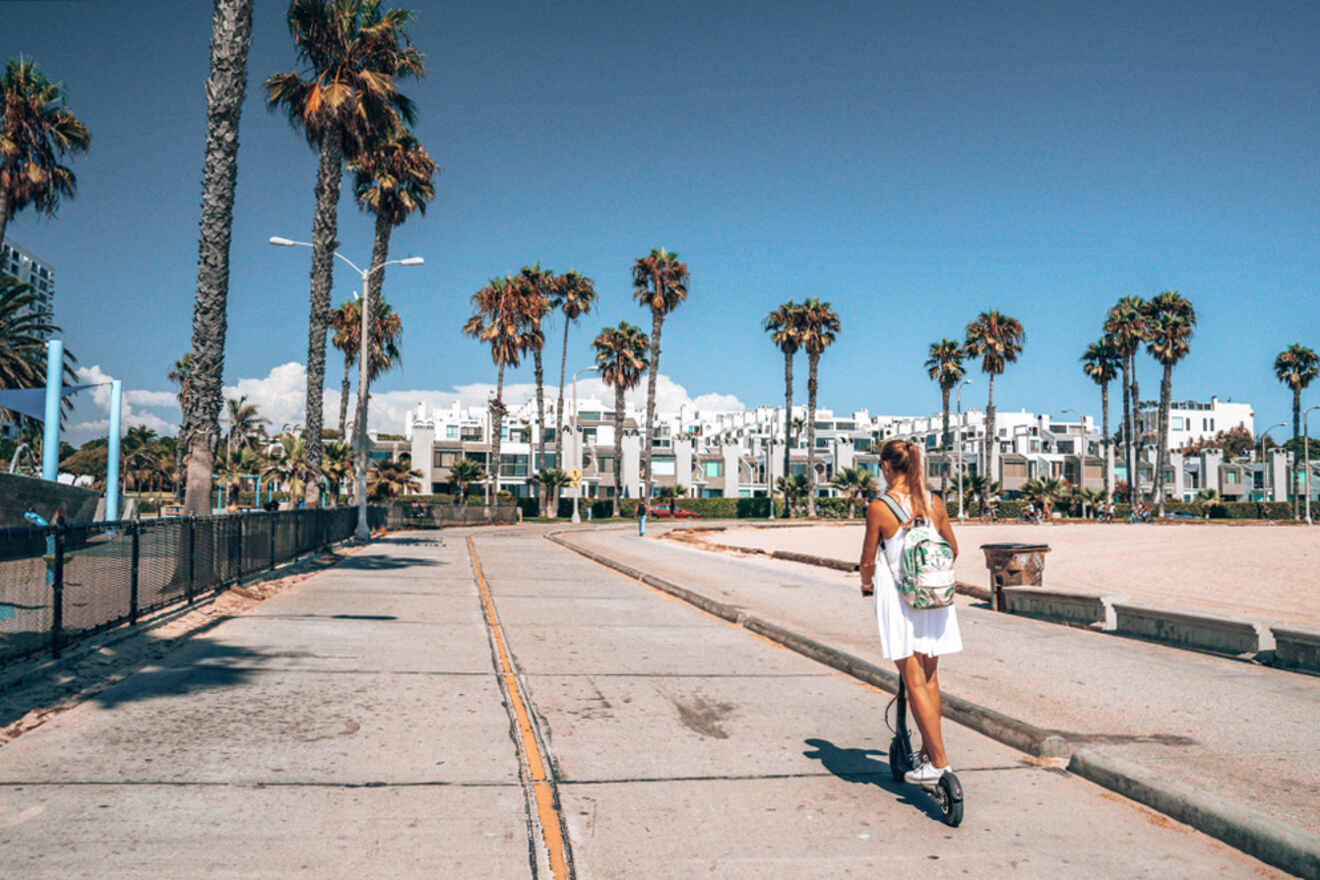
50	444
112	453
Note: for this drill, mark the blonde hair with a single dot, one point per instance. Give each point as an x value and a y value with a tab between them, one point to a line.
905	458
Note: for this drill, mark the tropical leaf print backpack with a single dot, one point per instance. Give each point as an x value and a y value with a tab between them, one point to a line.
927	580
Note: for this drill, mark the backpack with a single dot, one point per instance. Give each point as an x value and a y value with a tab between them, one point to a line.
928	578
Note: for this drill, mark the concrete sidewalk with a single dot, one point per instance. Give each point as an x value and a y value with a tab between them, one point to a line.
352	727
1244	733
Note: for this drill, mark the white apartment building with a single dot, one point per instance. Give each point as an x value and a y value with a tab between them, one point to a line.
1191	420
31	269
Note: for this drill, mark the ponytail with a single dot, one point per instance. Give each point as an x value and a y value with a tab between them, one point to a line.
905	458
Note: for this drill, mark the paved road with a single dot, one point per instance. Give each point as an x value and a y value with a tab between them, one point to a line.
357	727
1211	722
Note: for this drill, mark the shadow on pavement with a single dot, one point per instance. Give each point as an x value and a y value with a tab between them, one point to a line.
375	562
857	765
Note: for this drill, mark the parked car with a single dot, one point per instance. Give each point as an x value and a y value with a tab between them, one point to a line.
1181	514
679	513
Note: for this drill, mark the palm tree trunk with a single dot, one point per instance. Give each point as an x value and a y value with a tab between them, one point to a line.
559	408
1104	419
325	224
1162	436
945	441
343	400
813	360
539	372
788	438
497	426
1127	430
618	446
657	319
1297	448
231	35
1136	425
4	212
991	437
380	253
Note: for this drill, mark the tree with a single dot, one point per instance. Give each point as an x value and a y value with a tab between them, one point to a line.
1101	361
231	35
1045	492
855	483
1235	442
793	487
660	283
573	294
392	180
386	336
245	425
621	360
346	330
36	132
1170	319
820	327
945	366
784	325
355	55
997	340
1295	367
390	479
498	320
537	284
550	479
463	472
1125	326
1205	499
337	466
25	325
289	466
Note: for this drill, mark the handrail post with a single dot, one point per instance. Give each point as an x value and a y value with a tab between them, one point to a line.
192	555
135	532
274	524
57	597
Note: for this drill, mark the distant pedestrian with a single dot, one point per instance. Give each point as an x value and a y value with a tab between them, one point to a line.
641	518
913	638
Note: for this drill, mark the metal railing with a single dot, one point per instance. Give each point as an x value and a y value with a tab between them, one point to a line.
59	583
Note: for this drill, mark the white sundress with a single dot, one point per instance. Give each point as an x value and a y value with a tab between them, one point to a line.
904	629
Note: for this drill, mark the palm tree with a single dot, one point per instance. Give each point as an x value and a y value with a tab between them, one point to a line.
390	479
231	35
1125	325
1205	499
1170	318
945	366
538	284
392	179
997	340
621	360
36	131
820	327
180	374
1101	362
784	325
463	472
799	425
1045	492
244	423
793	488
660	283
355	55
386	334
25	325
498	320
290	466
573	294
338	465
1295	367
550	479
346	325
855	483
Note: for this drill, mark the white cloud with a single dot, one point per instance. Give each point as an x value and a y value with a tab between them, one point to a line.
130	415
152	398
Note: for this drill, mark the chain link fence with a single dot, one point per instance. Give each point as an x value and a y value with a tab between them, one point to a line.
425	515
58	583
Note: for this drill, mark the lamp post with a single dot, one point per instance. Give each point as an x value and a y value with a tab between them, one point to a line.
962	514
577	442
769	473
1265	477
1306	463
363	532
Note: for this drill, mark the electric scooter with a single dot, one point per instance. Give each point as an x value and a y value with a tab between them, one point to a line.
947	791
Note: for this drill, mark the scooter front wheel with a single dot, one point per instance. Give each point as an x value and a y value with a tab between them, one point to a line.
948	796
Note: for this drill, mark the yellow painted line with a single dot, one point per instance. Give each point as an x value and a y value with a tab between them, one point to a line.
545	797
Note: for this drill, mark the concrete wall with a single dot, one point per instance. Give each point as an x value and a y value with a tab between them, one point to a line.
423	459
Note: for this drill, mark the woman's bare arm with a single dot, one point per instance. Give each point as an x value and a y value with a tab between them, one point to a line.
879	519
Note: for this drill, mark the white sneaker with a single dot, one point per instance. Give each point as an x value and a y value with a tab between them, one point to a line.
925	773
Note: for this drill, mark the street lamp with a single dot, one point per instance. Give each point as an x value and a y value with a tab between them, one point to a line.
577	443
962	514
363	532
1306	464
1265	477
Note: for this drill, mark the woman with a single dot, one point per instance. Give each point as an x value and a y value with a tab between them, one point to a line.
914	640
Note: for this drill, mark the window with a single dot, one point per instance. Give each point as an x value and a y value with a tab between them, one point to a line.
588	416
472	434
714	468
662	467
513	465
549	460
1177	423
451	432
799	469
822	443
1231	478
446	459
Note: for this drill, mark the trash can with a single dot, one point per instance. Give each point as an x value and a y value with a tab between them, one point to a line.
1014	565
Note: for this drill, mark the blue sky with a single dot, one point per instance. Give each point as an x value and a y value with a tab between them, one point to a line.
912	164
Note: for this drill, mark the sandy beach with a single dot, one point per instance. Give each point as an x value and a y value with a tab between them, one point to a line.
1265	573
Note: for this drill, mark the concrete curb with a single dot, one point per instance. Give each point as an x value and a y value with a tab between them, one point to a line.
1273	842
1270	840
